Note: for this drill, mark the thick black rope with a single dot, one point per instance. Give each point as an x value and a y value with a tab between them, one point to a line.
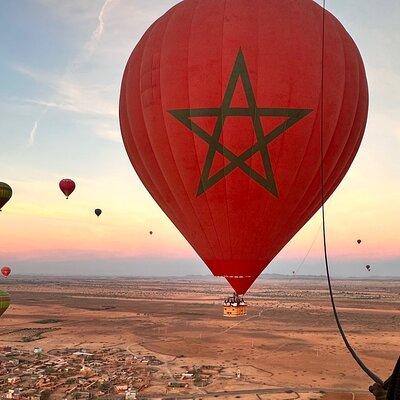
372	375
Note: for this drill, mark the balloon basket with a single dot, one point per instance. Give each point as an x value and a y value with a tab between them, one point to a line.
234	307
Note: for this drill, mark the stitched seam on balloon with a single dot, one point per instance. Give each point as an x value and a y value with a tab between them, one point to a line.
330	180
175	203
331	176
318	172
276	166
312	181
267	210
341	112
353	127
259	248
155	183
249	183
298	169
357	143
172	155
211	247
223	121
194	144
137	159
297	173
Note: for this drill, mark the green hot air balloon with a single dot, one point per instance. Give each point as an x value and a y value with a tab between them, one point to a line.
4	302
5	194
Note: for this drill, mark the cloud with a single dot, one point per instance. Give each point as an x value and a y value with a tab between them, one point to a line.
32	134
111	135
80	100
71	96
68	96
71	10
100	27
89	85
91	45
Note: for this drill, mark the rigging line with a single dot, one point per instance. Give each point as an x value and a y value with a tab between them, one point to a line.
263	308
309	249
292	277
371	374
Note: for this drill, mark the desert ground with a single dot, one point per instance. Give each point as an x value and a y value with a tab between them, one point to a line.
287	347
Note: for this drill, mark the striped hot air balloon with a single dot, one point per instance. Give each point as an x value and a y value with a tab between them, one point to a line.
5	194
4	302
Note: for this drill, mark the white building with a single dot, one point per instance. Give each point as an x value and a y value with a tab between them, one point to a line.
130	394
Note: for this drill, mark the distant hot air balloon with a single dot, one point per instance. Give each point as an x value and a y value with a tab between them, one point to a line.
67	186
6	271
368	267
227	138
5	194
151	232
98	212
4	302
359	241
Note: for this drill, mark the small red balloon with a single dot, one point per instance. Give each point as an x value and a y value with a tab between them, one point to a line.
6	271
67	186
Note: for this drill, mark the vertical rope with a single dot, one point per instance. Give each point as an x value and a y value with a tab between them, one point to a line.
372	375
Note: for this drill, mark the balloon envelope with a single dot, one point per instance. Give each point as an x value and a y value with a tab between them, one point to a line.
4	302
98	212
358	241
5	194
67	186
6	271
227	137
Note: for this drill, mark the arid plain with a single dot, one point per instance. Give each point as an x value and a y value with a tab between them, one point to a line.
287	347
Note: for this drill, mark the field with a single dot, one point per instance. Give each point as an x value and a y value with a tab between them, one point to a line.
287	347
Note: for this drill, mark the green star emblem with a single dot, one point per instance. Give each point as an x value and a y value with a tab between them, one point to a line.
255	113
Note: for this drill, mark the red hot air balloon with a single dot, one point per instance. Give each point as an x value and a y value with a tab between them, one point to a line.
67	186
6	271
220	110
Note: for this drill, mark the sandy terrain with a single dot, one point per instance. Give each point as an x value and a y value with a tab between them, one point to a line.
287	341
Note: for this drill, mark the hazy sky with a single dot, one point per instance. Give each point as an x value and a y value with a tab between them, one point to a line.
61	64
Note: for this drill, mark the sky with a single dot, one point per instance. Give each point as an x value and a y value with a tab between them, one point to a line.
61	65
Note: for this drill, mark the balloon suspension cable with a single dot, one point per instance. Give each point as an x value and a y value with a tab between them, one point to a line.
371	374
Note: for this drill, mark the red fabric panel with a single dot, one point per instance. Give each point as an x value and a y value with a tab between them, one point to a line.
182	66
